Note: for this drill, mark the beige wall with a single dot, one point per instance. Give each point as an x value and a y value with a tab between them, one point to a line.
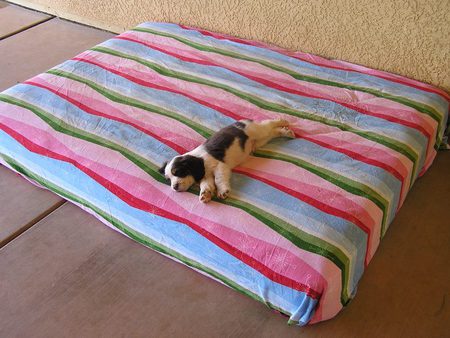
408	37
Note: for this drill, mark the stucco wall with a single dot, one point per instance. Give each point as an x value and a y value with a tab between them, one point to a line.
407	37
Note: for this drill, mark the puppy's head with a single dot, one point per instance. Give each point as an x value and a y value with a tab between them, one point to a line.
183	171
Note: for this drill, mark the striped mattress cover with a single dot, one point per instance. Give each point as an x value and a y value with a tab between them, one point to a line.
305	216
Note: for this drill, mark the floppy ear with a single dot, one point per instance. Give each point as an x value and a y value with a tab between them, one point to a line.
196	166
163	168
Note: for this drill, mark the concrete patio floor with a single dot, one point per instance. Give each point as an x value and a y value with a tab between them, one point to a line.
65	274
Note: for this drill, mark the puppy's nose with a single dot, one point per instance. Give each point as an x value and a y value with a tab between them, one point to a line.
175	187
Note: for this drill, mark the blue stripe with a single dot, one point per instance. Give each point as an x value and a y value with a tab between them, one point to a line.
378	179
324	108
347	235
176	103
168	233
120	133
341	231
305	68
185	107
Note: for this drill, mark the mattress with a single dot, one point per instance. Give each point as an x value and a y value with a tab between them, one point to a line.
304	217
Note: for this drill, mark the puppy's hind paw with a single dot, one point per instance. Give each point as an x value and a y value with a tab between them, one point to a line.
282	123
286	132
223	194
205	196
289	133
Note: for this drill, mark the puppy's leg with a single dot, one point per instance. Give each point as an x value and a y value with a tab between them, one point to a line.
273	123
222	175
207	189
264	131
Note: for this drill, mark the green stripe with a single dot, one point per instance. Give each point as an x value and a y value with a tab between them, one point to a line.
302	240
343	182
61	126
318	246
116	97
298	237
421	107
381	139
137	236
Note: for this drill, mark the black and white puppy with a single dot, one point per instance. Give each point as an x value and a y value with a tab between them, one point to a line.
210	163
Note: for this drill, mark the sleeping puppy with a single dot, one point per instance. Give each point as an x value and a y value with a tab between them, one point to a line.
210	163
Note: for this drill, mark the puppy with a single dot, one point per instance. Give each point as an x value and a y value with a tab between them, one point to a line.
210	163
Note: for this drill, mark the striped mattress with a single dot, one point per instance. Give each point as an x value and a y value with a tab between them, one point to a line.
305	216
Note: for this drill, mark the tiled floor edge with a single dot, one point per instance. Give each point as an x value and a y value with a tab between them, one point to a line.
24	28
30	224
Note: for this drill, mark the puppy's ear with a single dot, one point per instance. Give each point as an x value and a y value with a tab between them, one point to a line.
196	166
162	170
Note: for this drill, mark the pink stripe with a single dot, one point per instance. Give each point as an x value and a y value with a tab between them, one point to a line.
149	207
347	152
394	78
327	269
167	128
353	151
320	189
353	154
428	162
363	102
223	101
239	233
276	258
56	82
335	64
85	99
328	306
345	143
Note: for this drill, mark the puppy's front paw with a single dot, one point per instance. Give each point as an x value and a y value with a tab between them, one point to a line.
223	193
205	196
